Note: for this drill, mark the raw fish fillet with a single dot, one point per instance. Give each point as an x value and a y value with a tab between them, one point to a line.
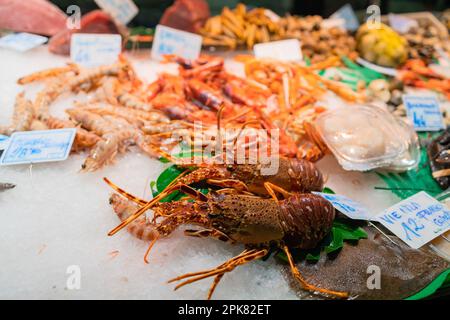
96	21
34	16
187	15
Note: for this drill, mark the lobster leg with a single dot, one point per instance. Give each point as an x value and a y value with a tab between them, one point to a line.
271	188
127	195
208	233
229	183
182	187
305	284
245	257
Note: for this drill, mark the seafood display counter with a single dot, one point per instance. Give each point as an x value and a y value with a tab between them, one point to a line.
246	155
56	220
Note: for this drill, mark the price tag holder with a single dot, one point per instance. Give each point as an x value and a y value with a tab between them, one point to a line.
22	42
347	14
350	208
38	146
416	220
172	41
91	50
401	24
285	50
424	112
123	11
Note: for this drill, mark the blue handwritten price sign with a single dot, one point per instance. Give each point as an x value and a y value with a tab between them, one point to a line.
347	14
416	220
22	41
401	24
123	11
285	50
90	50
38	146
349	207
172	41
424	112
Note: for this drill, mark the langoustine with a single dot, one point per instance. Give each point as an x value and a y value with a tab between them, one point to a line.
22	117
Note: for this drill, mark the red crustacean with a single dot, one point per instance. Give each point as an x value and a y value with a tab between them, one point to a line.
293	174
298	221
204	94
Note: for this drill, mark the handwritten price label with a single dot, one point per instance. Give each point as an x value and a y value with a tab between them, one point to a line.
90	50
172	41
401	24
123	11
285	50
424	112
347	14
349	207
22	41
38	146
416	220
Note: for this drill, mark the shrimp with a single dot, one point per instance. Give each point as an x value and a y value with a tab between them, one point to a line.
135	116
38	125
22	117
84	139
140	228
106	149
48	73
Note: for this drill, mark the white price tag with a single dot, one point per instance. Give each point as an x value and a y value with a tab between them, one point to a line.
286	50
401	24
424	112
347	14
349	207
416	220
90	50
123	11
172	41
38	146
22	41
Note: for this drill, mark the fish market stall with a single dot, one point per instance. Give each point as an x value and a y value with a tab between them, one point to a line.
124	168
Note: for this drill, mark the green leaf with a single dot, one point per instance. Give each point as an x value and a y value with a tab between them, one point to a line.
341	232
328	190
407	184
165	178
337	241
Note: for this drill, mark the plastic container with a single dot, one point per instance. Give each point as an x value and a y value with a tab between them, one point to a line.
366	137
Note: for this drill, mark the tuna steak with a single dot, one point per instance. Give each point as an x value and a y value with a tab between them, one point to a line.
187	15
35	16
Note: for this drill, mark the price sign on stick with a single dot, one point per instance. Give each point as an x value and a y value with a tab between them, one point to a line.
38	146
286	50
424	112
401	24
416	220
347	14
90	50
172	41
123	11
22	41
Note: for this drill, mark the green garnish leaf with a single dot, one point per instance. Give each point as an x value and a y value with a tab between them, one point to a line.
341	232
328	190
407	184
